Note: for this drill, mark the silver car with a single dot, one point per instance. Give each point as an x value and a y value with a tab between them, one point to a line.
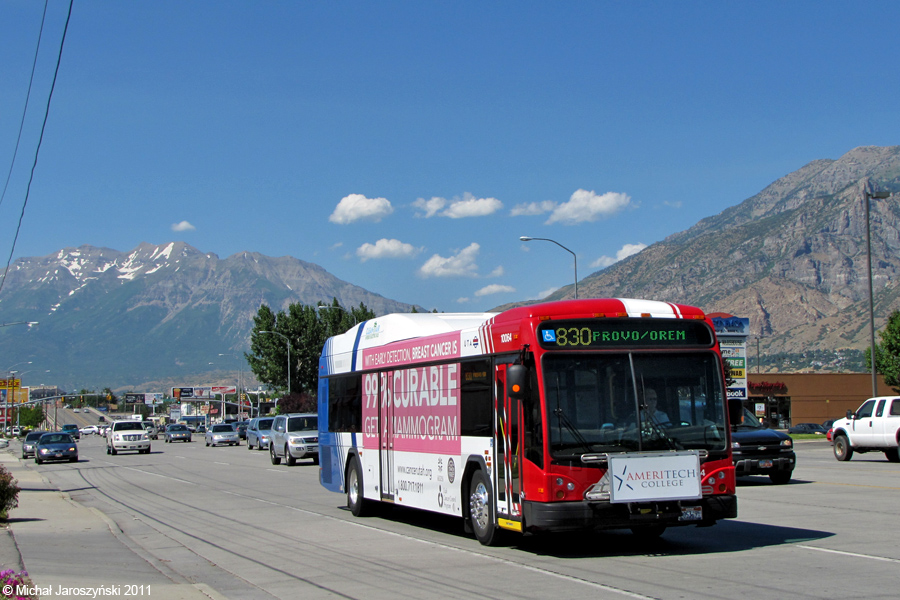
259	431
294	436
223	433
30	442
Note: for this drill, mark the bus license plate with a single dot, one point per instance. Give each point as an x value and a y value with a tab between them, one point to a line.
765	464
691	513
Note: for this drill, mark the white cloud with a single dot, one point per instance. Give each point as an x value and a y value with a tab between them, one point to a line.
468	206
672	204
430	207
533	208
461	265
623	253
498	272
183	226
495	288
385	248
356	207
471	206
462	300
585	206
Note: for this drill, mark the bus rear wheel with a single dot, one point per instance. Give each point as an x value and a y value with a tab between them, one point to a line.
356	502
481	509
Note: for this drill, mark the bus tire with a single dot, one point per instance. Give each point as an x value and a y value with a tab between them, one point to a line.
356	501
481	509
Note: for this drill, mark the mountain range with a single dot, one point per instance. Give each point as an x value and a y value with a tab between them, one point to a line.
792	259
154	317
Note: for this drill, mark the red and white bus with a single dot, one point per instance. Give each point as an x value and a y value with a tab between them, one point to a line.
581	414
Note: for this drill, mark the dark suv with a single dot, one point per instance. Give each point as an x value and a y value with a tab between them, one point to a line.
757	450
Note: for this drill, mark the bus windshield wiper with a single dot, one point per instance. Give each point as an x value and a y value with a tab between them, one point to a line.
564	419
658	429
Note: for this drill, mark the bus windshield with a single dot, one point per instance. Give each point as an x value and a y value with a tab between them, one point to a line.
599	403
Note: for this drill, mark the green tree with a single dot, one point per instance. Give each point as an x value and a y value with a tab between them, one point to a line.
887	352
302	331
31	416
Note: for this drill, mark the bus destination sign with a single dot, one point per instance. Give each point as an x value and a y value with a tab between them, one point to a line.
625	333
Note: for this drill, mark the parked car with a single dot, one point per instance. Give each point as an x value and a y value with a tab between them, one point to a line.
177	433
89	430
30	442
127	435
72	429
151	429
757	450
294	436
222	433
808	428
56	446
828	424
259	430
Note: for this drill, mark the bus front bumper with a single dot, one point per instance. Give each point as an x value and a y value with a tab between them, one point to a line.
567	516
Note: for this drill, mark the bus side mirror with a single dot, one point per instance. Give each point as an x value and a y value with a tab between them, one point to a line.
516	375
735	410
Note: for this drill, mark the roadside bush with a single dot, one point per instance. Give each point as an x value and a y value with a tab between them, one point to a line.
10	582
9	492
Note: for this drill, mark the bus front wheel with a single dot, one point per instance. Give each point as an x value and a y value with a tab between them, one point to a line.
481	509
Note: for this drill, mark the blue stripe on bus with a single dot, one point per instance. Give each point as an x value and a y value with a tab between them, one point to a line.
356	345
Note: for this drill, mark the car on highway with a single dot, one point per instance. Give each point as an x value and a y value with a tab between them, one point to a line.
294	436
259	430
55	446
89	430
177	433
30	442
222	433
758	450
813	428
72	429
127	435
151	429
241	427
78	410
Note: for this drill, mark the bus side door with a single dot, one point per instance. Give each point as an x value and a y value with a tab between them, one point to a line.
386	434
507	459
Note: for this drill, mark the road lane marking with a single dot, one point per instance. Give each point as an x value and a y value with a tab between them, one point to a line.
854	554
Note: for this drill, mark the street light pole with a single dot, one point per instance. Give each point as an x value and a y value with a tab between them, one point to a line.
288	343
240	388
868	194
526	238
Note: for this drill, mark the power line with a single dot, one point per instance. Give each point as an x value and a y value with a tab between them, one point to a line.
38	149
27	98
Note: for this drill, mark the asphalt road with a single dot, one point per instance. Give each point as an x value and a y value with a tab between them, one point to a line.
228	519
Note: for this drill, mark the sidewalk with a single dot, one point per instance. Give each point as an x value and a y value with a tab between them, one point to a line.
62	544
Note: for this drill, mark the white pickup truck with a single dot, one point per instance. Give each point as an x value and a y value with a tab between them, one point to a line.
874	427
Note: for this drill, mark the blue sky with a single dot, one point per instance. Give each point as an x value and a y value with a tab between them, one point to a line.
405	146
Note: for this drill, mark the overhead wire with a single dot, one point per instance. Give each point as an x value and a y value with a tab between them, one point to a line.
38	149
27	98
